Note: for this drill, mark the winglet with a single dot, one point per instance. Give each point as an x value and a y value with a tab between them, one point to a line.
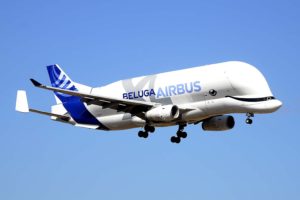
35	83
22	103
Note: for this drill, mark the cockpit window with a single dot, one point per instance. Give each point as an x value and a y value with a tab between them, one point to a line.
252	99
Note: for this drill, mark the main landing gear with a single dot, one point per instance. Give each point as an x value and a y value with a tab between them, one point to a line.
147	129
249	120
180	134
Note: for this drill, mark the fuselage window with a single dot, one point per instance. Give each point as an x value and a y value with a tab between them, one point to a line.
213	92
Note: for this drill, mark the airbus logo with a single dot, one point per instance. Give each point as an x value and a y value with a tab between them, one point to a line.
167	91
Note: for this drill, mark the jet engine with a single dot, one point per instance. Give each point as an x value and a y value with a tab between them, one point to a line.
218	123
163	113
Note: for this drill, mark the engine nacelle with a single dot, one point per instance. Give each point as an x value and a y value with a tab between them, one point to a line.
218	123
163	113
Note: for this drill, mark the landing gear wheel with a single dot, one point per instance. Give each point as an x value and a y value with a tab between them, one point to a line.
143	134
249	121
151	129
146	134
147	129
181	134
175	139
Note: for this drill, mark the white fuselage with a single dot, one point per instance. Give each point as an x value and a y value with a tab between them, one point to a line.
201	92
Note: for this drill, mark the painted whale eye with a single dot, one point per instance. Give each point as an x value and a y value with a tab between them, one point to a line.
213	92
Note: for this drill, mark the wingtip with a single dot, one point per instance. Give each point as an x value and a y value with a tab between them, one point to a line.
35	83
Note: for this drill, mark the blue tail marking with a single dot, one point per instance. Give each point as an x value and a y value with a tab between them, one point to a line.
72	104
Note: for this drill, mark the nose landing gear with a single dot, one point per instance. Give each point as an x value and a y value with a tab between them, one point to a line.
249	120
180	134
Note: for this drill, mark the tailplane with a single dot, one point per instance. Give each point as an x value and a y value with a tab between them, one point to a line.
22	106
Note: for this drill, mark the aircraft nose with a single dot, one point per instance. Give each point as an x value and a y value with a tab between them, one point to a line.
274	104
278	104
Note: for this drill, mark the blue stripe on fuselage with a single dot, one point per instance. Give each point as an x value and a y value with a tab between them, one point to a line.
78	111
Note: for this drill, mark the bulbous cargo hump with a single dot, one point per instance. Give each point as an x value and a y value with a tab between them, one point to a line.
246	80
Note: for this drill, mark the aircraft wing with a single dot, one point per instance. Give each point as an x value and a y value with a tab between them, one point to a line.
131	106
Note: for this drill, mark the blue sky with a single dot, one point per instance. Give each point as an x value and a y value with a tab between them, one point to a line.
98	42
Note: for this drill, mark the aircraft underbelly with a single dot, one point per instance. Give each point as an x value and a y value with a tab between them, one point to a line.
121	121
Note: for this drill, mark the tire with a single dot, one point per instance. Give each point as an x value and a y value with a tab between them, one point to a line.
151	129
249	121
183	134
178	140
141	134
146	134
173	139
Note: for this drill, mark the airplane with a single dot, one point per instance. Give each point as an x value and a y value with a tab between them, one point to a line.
206	94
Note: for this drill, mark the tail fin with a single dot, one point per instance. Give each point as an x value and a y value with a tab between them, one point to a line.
72	104
59	78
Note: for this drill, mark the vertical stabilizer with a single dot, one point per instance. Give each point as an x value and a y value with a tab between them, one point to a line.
73	104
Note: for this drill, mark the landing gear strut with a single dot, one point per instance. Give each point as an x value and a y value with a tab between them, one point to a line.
249	120
147	129
180	134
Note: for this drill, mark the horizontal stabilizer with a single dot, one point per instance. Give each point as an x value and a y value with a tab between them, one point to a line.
22	106
62	117
22	103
